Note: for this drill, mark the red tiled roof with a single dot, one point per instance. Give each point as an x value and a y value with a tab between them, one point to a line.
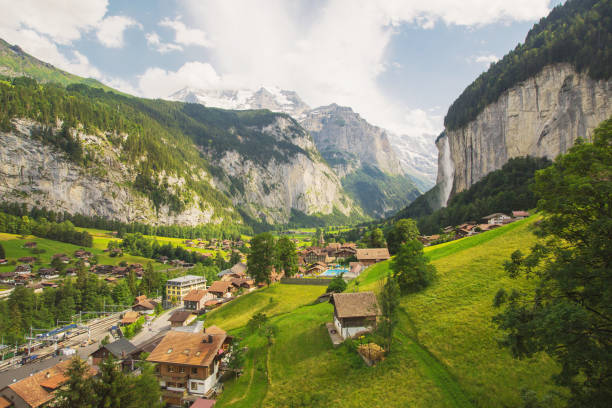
187	348
195	295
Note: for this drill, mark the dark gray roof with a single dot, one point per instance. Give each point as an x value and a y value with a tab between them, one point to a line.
117	348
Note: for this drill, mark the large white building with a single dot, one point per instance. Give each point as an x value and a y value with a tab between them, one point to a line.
178	288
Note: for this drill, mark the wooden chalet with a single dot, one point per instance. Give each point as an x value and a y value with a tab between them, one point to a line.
195	299
370	256
181	318
120	349
221	289
354	313
188	364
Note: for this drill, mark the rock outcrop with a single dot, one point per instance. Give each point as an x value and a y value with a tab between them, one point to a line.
303	182
347	141
541	117
39	175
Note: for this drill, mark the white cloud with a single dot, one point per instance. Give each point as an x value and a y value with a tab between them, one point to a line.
63	21
485	59
157	82
110	30
155	42
335	51
184	35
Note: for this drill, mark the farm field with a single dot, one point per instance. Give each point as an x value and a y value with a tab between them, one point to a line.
102	237
445	352
13	246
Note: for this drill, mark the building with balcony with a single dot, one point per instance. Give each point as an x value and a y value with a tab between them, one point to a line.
188	364
178	288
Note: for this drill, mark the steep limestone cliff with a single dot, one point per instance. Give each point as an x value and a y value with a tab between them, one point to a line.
541	117
347	141
41	176
270	191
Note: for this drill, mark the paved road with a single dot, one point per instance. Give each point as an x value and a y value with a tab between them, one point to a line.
159	325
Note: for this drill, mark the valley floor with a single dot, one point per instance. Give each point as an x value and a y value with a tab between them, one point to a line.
445	352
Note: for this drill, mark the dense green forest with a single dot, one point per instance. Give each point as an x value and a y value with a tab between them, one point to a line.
578	32
502	190
223	230
41	227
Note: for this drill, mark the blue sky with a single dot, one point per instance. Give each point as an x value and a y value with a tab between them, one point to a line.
398	63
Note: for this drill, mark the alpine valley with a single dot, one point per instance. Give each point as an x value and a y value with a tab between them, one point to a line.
270	159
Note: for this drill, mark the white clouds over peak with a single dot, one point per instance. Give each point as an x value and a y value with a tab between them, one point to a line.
156	43
335	51
157	82
110	30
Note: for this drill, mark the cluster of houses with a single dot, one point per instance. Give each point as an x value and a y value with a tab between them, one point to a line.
314	261
214	244
197	297
470	228
24	273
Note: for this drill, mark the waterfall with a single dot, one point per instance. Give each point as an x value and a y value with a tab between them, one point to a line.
445	169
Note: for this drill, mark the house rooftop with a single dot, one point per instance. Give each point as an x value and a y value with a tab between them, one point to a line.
186	279
120	347
220	286
196	349
358	304
37	389
180	316
372	253
195	295
203	403
488	217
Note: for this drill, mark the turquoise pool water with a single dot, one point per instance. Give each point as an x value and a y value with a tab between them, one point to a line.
334	272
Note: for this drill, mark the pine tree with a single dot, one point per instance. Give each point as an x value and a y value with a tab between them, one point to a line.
2	253
262	257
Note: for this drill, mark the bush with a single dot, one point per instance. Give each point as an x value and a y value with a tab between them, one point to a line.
336	285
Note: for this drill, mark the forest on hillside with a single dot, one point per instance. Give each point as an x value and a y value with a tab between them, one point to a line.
502	190
578	32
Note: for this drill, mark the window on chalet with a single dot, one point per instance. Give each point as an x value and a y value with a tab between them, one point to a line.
182	370
194	386
170	369
194	370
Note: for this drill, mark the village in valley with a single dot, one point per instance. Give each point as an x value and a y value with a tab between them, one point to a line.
193	359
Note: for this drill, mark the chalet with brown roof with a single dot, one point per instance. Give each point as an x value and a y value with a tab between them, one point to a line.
3	261
38	389
314	254
30	245
244	283
194	300
354	313
345	252
130	317
143	304
496	218
82	254
221	289
181	318
188	364
27	259
317	268
370	256
519	215
23	268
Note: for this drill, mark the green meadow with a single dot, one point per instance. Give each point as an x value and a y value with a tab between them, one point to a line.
13	246
445	351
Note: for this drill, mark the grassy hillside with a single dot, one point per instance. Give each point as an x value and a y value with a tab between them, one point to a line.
445	353
13	245
15	62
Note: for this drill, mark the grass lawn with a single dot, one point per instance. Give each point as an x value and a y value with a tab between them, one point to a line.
13	246
272	301
445	353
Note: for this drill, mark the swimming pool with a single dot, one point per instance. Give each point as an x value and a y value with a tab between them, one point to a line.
334	272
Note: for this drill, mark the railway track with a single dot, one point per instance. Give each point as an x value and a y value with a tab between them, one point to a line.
95	330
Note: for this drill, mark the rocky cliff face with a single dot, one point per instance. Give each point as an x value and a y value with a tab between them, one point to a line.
348	142
270	191
40	176
540	117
